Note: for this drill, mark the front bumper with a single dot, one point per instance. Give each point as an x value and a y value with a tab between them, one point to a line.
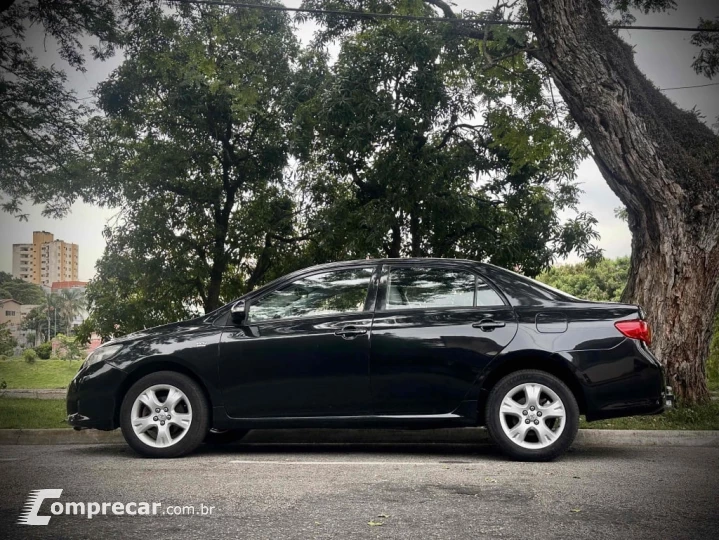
92	397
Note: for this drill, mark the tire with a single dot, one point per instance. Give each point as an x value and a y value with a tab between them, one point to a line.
523	433
219	437
181	435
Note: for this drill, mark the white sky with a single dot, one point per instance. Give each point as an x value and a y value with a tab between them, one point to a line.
665	57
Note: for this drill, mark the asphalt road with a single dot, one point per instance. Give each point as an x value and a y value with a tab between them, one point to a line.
406	491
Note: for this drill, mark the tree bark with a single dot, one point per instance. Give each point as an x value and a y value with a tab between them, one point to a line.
662	162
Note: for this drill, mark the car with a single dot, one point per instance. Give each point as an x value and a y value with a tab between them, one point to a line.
403	343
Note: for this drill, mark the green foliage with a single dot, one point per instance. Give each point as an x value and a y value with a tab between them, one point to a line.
40	119
418	151
707	61
68	348
49	318
29	355
22	291
192	145
603	282
43	351
7	341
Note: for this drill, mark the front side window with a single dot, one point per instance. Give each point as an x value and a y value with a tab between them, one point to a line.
338	291
417	287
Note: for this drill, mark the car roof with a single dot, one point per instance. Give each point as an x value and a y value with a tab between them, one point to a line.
518	289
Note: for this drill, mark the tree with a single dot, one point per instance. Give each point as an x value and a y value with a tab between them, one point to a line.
193	145
603	282
46	318
22	291
7	341
72	303
661	161
40	119
422	150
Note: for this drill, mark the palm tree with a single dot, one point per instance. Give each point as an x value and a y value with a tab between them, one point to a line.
72	302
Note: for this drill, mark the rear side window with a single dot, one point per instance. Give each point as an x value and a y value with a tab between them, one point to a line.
421	287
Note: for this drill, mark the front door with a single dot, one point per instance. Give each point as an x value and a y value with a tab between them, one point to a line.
304	349
435	329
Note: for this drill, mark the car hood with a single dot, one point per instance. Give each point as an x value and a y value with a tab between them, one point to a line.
162	330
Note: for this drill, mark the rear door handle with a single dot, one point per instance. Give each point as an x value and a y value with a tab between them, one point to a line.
351	331
487	325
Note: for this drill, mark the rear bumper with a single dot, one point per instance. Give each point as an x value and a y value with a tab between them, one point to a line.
91	397
626	380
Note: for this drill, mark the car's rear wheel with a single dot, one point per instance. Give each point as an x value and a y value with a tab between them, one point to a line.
225	436
164	415
532	416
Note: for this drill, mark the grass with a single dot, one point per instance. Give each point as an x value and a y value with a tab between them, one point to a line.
702	417
42	374
32	413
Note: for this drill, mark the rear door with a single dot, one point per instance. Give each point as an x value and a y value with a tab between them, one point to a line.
304	349
436	326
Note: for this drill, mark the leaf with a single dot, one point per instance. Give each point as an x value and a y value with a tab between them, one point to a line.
383	516
576	510
375	523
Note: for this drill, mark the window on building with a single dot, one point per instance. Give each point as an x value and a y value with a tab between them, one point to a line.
9	313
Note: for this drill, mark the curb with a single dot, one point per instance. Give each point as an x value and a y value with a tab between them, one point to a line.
586	438
32	393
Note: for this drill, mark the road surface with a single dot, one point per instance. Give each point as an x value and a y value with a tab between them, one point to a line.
358	490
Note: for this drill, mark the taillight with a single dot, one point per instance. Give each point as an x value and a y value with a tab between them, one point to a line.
636	329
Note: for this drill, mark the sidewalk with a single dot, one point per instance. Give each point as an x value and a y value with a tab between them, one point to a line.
34	393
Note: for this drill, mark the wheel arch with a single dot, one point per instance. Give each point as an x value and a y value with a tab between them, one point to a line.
153	365
536	360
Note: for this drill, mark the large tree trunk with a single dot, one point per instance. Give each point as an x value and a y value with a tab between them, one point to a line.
662	162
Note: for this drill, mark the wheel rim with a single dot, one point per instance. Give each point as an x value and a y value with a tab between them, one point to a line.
532	415
161	415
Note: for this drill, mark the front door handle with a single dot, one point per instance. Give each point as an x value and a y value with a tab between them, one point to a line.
487	325
351	331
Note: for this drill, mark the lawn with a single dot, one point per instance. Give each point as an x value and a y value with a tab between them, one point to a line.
701	417
32	413
42	374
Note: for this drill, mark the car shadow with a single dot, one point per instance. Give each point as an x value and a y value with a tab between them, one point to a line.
454	451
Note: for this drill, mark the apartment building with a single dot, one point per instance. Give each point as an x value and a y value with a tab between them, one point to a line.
46	260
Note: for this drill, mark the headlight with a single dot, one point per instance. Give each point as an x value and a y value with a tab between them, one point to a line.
101	353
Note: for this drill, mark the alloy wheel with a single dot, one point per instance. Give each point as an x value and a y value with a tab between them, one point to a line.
532	415
161	415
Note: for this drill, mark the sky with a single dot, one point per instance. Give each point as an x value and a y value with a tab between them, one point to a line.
665	57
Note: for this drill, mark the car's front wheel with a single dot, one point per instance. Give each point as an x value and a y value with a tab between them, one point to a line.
532	416
164	415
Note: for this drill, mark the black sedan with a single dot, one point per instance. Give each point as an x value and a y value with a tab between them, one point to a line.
407	343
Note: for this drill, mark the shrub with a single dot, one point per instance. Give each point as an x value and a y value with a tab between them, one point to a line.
29	355
67	348
3	357
44	350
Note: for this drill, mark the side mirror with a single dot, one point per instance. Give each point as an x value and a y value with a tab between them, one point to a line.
238	312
